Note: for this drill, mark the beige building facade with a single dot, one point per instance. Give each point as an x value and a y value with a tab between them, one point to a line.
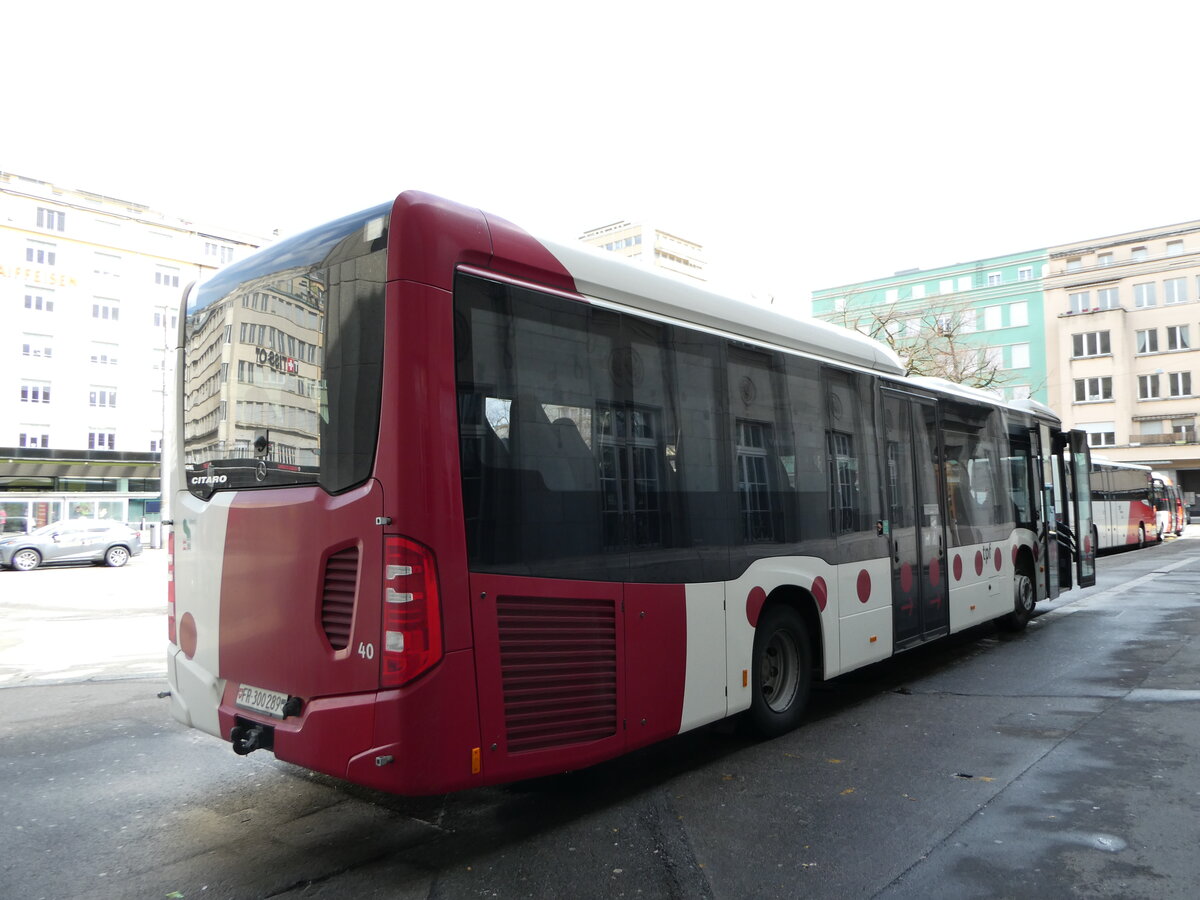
90	288
1123	340
650	246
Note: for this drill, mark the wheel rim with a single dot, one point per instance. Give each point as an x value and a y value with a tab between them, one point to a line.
1024	593
780	671
118	556
26	560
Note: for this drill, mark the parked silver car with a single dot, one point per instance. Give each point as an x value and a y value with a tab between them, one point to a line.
111	543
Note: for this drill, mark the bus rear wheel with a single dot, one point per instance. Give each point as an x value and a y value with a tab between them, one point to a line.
781	671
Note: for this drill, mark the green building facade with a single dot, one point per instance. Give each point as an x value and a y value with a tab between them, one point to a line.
985	317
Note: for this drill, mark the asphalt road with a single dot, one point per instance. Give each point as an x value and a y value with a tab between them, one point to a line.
1062	762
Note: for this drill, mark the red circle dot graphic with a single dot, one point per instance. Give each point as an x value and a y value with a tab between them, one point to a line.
754	605
906	580
957	567
998	558
935	573
978	562
864	586
820	592
187	635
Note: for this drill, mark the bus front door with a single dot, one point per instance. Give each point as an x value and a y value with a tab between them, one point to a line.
916	523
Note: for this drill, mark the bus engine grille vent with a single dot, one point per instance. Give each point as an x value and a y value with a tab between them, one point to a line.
337	596
558	666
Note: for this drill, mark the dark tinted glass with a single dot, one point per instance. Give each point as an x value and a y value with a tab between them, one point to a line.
600	445
283	363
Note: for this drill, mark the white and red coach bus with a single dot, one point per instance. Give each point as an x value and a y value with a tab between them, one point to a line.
1168	504
455	506
1123	504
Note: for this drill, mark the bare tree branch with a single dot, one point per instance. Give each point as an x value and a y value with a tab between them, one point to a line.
930	340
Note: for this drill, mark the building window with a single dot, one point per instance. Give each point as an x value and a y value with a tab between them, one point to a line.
1025	273
106	265
964	283
1108	298
166	277
995	278
225	254
1104	259
1018	314
1080	301
1139	254
1180	384
35	392
104	354
1175	290
106	310
1018	356
52	219
754	483
918	292
41	254
102	440
1090	390
37	345
29	437
1178	338
891	295
947	286
102	397
40	302
1147	340
1148	387
1144	295
1101	434
1090	343
843	485
1174	248
991	317
1073	265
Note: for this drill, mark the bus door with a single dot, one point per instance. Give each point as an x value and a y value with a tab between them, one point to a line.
916	524
1076	534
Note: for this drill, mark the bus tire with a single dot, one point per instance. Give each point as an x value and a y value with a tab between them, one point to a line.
781	677
1024	599
1141	537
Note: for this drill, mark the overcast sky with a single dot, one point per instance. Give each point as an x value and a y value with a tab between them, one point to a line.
805	145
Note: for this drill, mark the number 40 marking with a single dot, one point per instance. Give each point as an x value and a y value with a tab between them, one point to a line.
366	651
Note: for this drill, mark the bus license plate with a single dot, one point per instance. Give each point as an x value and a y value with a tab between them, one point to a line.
261	700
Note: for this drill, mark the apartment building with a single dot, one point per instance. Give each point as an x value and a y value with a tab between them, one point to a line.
1123	325
988	313
651	246
90	288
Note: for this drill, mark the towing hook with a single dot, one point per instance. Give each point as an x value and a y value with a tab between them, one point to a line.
247	739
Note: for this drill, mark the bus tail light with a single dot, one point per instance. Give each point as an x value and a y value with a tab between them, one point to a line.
412	611
171	586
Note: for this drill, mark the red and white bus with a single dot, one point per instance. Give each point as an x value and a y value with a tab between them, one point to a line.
1168	502
455	506
1123	505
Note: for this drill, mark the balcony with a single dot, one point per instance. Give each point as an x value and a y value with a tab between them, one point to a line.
1187	436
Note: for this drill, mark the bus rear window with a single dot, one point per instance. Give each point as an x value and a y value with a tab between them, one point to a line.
282	363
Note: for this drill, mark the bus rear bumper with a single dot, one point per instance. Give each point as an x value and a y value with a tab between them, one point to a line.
195	692
363	738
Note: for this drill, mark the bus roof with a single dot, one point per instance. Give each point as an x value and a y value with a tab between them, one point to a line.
600	275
